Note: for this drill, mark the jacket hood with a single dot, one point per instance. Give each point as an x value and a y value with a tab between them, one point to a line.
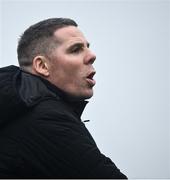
20	91
10	101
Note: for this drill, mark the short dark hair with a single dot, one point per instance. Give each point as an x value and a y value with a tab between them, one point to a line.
38	39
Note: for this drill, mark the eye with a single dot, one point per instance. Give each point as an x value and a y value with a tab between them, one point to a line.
76	49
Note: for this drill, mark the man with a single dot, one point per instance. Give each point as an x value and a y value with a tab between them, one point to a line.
41	132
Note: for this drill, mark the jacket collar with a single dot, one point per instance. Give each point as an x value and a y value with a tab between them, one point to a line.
77	106
52	90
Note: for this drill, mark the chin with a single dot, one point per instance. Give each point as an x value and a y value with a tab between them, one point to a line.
80	96
87	96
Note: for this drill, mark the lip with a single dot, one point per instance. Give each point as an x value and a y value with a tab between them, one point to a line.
90	79
91	82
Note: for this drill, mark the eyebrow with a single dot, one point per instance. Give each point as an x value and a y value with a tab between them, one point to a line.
79	44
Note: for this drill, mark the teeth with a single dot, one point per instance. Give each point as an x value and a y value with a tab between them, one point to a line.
91	76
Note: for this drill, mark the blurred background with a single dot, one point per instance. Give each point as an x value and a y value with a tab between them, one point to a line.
130	110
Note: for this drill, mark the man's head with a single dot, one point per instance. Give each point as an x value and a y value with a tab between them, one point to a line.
39	39
57	50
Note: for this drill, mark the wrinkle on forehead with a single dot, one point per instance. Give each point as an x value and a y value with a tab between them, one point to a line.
77	41
70	34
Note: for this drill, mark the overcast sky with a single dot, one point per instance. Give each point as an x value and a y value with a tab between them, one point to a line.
130	111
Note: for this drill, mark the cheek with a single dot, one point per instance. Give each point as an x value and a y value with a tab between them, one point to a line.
71	66
67	71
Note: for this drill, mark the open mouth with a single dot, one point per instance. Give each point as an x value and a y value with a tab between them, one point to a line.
90	79
91	75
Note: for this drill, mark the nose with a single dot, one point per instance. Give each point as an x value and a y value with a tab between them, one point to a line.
90	57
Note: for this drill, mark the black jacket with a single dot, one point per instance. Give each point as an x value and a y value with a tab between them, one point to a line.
41	133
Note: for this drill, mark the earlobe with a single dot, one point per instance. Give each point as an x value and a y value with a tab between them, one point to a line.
40	66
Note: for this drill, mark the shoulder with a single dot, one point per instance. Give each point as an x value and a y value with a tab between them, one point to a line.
52	108
51	105
52	113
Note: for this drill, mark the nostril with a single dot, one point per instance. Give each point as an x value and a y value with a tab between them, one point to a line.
93	59
90	58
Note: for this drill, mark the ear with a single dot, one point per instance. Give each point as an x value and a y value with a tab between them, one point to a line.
40	66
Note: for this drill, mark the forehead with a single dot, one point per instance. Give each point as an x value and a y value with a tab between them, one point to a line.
69	34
